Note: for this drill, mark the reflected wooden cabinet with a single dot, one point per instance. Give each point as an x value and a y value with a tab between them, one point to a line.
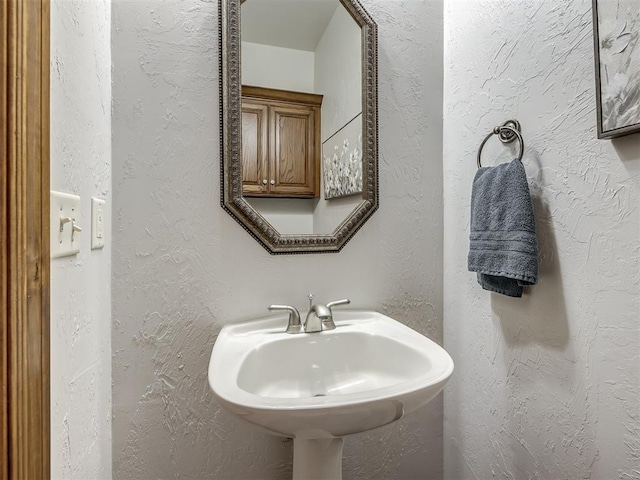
280	143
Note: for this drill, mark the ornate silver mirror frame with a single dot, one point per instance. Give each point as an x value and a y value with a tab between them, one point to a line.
231	166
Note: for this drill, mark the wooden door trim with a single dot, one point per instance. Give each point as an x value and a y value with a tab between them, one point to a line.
264	93
24	256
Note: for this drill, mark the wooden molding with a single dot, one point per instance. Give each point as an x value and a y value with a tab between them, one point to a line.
298	98
4	297
24	257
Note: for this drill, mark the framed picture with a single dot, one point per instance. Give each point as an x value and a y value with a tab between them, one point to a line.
616	29
342	161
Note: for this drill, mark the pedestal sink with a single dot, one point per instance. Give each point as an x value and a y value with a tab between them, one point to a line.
318	387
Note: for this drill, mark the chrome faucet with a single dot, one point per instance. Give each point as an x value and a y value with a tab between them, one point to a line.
316	316
319	317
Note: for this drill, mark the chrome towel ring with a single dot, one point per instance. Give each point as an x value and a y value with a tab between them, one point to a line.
507	133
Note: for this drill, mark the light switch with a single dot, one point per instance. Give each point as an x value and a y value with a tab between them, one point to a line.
65	224
97	223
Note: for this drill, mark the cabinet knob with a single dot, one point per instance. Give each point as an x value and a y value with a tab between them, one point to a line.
273	182
264	182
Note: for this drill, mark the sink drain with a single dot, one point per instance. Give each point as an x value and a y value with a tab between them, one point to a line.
320	395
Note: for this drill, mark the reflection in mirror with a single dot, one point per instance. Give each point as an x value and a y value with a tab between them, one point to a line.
298	90
301	113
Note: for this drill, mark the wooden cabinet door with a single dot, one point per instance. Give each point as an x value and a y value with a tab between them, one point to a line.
255	151
293	166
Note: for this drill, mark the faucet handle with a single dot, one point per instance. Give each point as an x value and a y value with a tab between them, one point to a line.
344	301
328	323
294	326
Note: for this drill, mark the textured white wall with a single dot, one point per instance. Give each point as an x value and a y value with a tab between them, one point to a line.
182	267
81	285
277	67
545	386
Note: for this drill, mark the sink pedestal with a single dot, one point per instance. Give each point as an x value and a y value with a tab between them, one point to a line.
317	459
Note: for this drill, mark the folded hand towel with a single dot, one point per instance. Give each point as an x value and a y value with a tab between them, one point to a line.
504	247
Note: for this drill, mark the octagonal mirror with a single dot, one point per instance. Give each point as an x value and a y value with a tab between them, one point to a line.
299	121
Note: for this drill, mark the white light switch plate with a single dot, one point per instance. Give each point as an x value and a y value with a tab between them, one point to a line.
98	232
65	214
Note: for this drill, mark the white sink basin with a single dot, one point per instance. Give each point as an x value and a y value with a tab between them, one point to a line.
368	372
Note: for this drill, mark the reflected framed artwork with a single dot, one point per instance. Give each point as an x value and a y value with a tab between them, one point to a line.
342	161
616	25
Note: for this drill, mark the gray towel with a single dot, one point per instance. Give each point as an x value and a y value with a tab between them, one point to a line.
504	247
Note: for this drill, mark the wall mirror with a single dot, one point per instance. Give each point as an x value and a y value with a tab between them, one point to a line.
299	121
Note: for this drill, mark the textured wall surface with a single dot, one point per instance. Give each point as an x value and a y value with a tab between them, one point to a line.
546	386
81	285
182	267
